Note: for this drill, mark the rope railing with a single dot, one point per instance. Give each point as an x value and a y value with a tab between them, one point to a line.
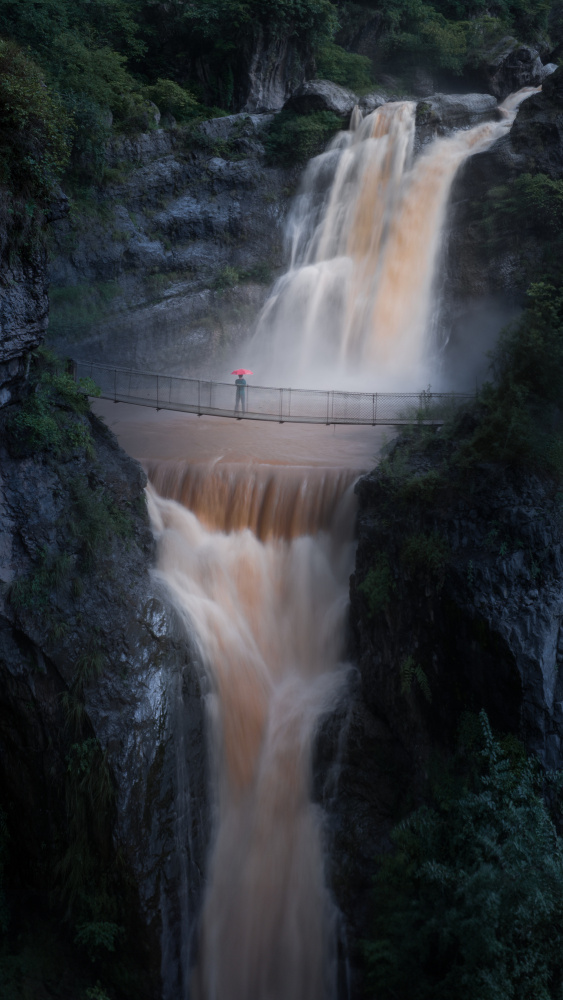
311	406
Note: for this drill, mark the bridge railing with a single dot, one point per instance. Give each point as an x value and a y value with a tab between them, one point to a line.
192	395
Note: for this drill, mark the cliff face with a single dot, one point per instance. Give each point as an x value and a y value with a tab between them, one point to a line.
102	739
172	257
456	606
90	651
490	256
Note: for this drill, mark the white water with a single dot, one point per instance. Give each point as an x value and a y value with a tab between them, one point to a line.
268	616
357	308
257	558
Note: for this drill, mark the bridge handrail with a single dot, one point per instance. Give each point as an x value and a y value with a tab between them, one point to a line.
280	403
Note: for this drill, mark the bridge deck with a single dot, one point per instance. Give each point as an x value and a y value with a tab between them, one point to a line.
310	406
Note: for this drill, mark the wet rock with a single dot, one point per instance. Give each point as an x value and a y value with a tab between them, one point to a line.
443	114
422	83
511	66
176	210
322	95
370	102
142	704
537	133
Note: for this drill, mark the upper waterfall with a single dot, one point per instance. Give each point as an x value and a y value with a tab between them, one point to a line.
359	302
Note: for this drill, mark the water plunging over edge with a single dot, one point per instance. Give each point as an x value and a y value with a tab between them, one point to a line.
269	619
357	307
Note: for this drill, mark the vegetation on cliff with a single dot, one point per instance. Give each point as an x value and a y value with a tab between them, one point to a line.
471	901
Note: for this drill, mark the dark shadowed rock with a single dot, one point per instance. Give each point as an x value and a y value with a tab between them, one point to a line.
537	133
442	114
511	66
322	95
370	102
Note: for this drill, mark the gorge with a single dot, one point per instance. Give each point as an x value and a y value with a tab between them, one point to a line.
220	700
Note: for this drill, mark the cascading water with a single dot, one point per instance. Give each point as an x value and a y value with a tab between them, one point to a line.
268	616
358	306
257	557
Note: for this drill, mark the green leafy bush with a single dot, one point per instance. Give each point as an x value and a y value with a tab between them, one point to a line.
520	413
171	99
377	587
34	128
52	417
224	19
345	68
413	674
470	902
293	139
426	554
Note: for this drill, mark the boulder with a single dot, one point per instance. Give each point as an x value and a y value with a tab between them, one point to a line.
547	70
454	111
511	66
370	102
322	95
537	133
445	113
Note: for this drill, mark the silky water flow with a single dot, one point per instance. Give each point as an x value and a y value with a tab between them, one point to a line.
259	568
257	557
358	306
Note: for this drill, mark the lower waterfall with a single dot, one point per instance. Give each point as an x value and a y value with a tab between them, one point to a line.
259	570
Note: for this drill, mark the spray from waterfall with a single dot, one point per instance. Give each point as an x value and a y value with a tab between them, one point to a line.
358	305
268	616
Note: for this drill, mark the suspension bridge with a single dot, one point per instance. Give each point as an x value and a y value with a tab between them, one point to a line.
306	406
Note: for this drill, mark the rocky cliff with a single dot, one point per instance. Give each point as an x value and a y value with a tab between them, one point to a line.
170	258
103	796
502	230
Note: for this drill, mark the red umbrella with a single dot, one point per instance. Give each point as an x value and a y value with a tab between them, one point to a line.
242	371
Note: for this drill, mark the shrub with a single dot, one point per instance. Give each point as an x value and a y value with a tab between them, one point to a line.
171	99
426	554
311	20
34	127
520	412
52	417
377	586
345	68
293	139
470	903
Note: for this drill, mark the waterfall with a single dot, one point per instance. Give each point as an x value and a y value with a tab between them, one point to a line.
357	307
257	561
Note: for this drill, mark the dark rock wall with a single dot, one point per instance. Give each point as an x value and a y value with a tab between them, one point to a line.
143	704
485	630
172	258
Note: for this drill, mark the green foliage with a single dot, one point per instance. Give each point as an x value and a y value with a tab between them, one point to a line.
520	412
34	128
52	419
377	586
292	139
35	592
426	554
412	673
96	993
95	519
314	20
227	277
98	934
470	903
345	68
171	99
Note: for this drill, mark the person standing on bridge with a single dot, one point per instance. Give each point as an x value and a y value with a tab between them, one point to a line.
240	382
